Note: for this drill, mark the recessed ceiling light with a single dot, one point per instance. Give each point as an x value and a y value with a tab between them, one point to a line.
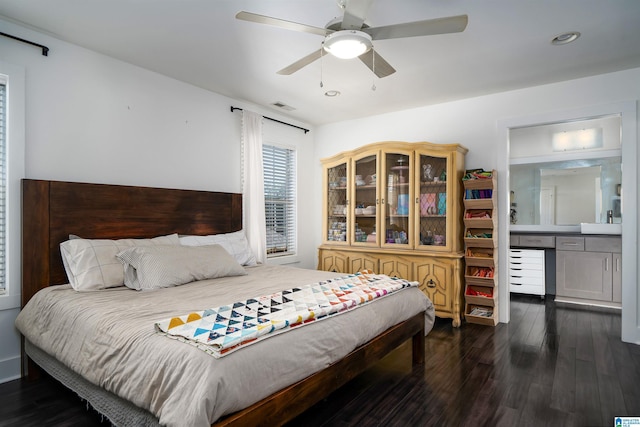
565	38
331	93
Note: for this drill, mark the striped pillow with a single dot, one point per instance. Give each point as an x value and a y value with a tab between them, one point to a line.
154	267
91	264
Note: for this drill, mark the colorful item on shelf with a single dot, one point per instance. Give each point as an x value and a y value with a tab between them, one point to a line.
477	174
478	194
428	204
479	293
477	214
403	204
486	272
442	203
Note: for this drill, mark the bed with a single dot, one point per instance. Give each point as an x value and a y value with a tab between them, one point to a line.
136	376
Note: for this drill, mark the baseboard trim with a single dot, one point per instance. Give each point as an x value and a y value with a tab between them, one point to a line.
9	369
609	307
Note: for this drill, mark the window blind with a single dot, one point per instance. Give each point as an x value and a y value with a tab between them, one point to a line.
3	182
279	196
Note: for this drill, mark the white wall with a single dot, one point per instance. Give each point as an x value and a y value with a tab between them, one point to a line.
474	123
91	118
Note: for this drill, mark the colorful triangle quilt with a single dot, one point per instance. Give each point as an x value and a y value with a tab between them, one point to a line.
222	330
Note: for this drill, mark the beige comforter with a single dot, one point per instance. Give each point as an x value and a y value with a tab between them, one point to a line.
108	337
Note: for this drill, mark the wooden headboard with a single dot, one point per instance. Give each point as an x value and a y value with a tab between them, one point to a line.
52	210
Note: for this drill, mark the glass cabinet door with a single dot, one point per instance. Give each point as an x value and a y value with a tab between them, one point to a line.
337	199
432	201
365	200
397	196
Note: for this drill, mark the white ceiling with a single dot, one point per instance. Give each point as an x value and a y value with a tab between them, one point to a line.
505	46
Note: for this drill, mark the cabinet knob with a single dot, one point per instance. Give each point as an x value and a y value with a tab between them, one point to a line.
431	283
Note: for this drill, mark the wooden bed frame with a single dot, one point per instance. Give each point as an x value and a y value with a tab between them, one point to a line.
52	210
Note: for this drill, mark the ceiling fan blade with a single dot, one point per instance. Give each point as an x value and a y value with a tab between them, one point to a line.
261	19
302	62
355	12
380	67
429	27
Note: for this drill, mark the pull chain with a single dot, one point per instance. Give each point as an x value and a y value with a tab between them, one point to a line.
321	55
373	66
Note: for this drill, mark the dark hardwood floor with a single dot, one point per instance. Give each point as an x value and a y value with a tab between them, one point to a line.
551	365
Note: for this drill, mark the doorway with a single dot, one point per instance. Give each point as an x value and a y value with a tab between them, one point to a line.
627	113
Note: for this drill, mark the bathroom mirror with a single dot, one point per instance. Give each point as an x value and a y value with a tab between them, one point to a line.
565	192
564	174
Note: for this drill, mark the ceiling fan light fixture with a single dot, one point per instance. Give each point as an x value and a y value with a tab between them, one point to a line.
347	44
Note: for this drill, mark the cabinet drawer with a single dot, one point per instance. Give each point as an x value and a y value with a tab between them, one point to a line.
603	244
532	241
526	255
526	263
516	272
519	280
527	289
526	266
570	243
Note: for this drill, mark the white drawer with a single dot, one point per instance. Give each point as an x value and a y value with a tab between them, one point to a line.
522	280
527	289
525	273
526	265
526	253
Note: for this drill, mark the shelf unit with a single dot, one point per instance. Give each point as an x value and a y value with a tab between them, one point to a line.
481	255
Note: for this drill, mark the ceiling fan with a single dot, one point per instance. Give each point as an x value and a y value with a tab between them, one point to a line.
350	37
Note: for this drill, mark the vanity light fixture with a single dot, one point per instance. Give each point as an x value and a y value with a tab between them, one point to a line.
581	139
565	38
347	44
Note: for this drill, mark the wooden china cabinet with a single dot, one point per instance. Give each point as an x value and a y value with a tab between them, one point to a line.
395	208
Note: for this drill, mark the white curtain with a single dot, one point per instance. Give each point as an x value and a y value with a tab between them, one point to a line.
253	185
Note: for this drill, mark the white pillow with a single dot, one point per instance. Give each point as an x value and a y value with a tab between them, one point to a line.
235	243
155	267
91	264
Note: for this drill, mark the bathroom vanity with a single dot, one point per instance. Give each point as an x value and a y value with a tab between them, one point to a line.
589	268
578	268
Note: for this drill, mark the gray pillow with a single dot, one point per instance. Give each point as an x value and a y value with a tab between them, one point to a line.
235	243
91	264
154	267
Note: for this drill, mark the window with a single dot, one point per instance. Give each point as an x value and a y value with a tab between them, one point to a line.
3	178
12	130
279	199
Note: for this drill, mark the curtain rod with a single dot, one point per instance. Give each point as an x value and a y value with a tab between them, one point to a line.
274	120
45	50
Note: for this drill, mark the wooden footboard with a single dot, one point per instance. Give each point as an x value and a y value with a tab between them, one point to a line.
290	402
